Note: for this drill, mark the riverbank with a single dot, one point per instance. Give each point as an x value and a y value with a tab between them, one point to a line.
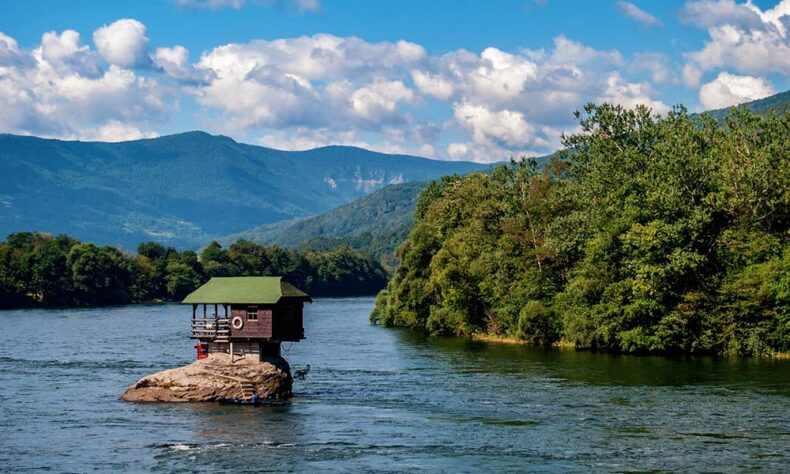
568	345
499	339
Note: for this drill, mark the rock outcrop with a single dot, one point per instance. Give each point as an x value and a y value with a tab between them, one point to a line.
215	378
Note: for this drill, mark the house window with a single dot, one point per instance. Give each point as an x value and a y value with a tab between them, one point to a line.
252	314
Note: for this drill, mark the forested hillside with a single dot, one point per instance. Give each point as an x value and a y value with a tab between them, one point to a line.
776	105
44	270
645	235
376	225
187	189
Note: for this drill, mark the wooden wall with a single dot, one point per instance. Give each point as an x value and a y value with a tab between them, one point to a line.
280	322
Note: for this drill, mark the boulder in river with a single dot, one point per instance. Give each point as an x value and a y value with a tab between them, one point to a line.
215	378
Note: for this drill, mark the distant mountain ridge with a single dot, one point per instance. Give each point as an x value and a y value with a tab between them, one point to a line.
185	189
375	224
777	104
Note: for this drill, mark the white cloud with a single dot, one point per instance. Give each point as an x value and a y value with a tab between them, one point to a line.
458	151
630	95
62	89
379	100
175	63
432	85
115	131
302	92
637	14
729	89
504	126
707	13
741	36
316	81
64	52
508	103
123	43
519	103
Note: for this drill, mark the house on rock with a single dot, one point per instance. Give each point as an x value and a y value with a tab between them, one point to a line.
246	316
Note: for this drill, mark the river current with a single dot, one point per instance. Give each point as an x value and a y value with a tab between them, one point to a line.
378	399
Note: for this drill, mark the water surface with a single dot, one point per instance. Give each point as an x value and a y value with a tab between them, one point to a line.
378	399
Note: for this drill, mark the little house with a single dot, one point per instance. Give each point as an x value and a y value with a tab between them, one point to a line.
246	316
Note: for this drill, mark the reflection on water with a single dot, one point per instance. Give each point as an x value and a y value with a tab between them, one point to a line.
599	368
379	399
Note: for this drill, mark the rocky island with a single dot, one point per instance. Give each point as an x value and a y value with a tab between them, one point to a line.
215	378
238	324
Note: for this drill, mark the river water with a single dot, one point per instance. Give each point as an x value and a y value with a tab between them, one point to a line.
378	399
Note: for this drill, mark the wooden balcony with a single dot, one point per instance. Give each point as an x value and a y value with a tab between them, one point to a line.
211	329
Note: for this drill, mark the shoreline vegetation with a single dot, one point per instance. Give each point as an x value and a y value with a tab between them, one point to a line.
569	345
646	235
42	270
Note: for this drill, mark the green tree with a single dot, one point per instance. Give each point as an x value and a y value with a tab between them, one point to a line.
100	275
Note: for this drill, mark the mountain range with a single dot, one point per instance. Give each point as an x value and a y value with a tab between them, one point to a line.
185	189
188	189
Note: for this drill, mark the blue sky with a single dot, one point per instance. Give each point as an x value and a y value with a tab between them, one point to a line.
445	79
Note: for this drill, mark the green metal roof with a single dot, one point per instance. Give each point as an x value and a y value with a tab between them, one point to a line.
245	290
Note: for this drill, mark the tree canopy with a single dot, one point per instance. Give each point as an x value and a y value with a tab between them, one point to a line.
645	234
41	269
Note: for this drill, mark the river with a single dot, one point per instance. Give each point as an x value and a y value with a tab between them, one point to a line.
378	399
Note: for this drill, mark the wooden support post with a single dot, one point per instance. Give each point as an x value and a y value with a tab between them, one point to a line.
231	352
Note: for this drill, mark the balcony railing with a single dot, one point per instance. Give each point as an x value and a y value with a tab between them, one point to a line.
214	329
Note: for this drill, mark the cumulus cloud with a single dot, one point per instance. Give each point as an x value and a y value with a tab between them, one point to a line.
729	89
637	14
122	43
379	100
507	127
628	94
519	103
741	36
317	81
62	89
115	131
302	92
432	85
174	62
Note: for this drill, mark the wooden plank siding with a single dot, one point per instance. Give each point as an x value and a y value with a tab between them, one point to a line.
279	322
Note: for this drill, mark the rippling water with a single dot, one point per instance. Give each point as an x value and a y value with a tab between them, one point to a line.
378	399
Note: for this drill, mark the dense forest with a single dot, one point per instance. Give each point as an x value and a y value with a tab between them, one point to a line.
645	234
46	270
